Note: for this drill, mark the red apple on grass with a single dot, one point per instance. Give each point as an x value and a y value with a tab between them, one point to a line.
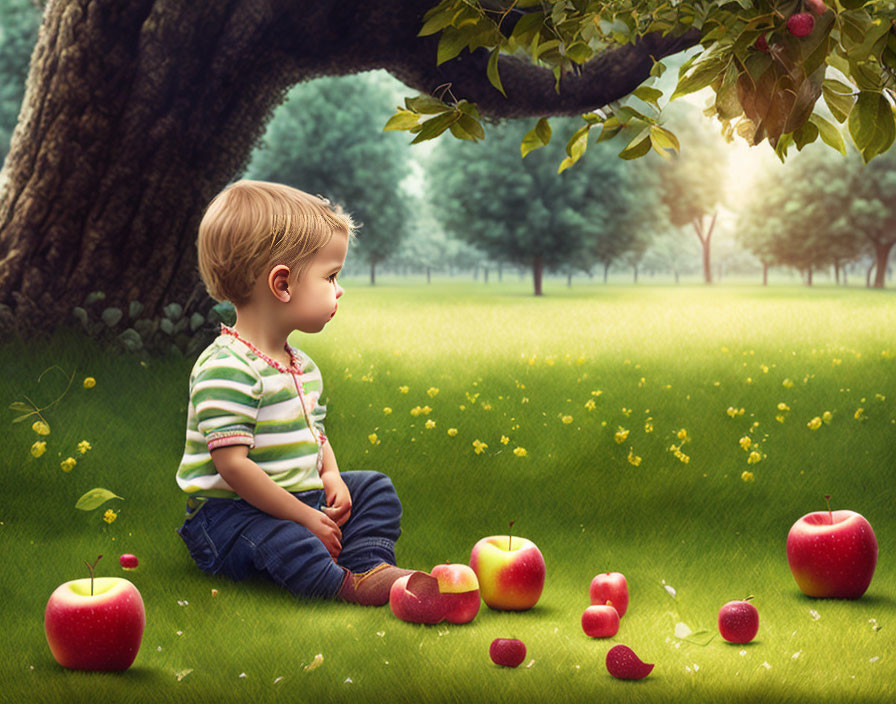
508	652
510	571
832	553
460	590
600	621
738	621
416	598
95	624
610	588
128	561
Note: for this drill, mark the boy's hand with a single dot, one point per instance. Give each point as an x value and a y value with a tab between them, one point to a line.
339	501
327	531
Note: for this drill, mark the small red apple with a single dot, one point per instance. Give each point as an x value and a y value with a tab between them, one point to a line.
600	621
623	664
801	24
832	554
738	621
508	652
761	43
128	561
610	588
416	598
460	590
817	6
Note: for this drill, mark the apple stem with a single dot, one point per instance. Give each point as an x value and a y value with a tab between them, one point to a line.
91	567
510	536
748	598
827	500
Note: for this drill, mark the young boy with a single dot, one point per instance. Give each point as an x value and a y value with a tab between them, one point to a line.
265	493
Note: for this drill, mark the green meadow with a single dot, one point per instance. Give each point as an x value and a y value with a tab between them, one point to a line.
671	433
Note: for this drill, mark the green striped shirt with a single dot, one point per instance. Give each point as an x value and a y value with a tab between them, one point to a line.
238	395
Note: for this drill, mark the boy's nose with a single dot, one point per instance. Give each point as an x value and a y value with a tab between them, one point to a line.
339	291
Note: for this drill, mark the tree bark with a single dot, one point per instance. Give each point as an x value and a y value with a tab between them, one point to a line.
372	272
537	271
705	238
882	256
136	114
765	273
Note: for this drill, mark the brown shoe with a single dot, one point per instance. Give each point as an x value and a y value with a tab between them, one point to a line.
371	588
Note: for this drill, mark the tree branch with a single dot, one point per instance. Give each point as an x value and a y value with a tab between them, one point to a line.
609	76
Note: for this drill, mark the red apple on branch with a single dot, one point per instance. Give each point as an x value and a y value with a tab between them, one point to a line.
510	571
832	553
95	624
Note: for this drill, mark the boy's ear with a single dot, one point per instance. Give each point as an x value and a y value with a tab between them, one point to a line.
278	282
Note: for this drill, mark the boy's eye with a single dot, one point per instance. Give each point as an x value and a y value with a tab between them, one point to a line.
332	277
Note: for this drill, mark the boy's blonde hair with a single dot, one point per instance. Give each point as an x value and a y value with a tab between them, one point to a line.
252	226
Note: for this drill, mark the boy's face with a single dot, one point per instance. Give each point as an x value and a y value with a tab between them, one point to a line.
313	303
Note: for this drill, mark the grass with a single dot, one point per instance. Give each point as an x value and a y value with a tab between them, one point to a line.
679	356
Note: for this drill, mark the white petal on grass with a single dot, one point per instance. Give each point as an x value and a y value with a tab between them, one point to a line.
797	654
814	614
875	658
682	630
743	652
766	666
670	589
242	675
183	673
531	663
348	680
381	633
278	680
316	663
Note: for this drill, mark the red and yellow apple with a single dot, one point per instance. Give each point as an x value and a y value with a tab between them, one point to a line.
460	590
101	630
610	588
510	572
832	554
416	598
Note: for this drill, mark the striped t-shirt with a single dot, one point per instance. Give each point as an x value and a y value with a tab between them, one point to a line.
240	396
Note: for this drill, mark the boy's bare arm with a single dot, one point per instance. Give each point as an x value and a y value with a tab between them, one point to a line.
253	484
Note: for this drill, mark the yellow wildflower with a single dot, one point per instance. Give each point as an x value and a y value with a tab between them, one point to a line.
880	397
479	446
432	391
525	399
84	446
642	383
550	360
827	416
109	515
747	476
633	458
39	448
373	439
403	389
596	393
682	457
783	407
567	419
836	362
430	424
754	457
89	382
621	435
387	410
589	404
734	412
779	418
452	432
68	464
745	442
40	428
787	383
519	451
683	435
627	412
648	426
764	368
860	414
504	439
486	406
814	424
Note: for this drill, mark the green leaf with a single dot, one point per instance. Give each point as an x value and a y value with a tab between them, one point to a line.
436	22
839	98
830	135
704	70
806	134
492	71
426	105
579	52
95	498
434	126
537	137
402	120
648	95
451	43
467	128
658	68
872	125
20	406
663	141
639	146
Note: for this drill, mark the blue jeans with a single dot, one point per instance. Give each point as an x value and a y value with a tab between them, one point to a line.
233	538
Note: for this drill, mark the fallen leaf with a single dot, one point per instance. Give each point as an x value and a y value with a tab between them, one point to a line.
316	663
183	673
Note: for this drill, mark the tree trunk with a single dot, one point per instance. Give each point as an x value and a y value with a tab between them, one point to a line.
676	275
569	280
764	273
606	270
809	275
635	277
537	270
845	277
500	273
837	271
372	272
485	276
429	275
705	238
868	275
882	255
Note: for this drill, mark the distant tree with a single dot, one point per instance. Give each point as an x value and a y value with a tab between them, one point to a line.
674	250
19	23
322	143
694	181
872	212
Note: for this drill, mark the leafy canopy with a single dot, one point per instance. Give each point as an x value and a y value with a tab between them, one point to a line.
768	63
